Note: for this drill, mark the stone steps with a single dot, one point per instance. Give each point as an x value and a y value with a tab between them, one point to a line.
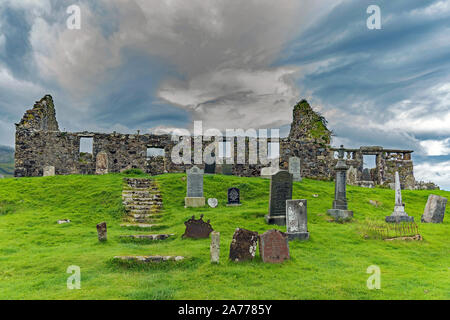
142	201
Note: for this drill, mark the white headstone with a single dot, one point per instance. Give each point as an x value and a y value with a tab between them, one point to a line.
294	168
49	171
212	202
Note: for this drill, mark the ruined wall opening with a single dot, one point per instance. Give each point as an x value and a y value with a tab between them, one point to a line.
273	150
86	145
369	172
155	152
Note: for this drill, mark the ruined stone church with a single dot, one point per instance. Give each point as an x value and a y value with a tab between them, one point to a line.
40	144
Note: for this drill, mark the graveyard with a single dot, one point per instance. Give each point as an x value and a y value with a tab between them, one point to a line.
331	262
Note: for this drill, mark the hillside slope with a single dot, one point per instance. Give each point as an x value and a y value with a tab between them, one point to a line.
35	251
6	161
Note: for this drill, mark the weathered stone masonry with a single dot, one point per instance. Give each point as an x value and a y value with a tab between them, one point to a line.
40	143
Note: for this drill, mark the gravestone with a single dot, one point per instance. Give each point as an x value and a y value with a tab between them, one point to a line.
212	202
49	171
296	219
197	229
102	231
274	246
101	164
243	246
399	214
294	168
280	191
340	208
234	197
435	209
268	172
227	169
194	197
215	247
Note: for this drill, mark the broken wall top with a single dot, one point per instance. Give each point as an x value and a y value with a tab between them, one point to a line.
41	117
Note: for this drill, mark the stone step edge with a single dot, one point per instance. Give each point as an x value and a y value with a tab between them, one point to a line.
139	225
149	259
148	236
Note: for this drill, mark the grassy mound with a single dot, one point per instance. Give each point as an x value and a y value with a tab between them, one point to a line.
35	251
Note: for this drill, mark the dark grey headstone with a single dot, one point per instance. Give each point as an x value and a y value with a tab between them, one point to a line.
195	182
280	191
234	196
211	168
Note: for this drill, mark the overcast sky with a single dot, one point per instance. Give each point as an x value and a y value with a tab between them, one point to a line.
158	64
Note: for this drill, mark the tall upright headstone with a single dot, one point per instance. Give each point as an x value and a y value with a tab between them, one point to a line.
294	168
399	214
194	196
340	207
280	191
435	209
227	169
101	165
296	219
274	246
215	247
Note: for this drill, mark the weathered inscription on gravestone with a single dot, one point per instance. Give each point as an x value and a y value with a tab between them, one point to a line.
102	231
294	168
101	166
234	197
434	209
296	219
49	171
215	247
243	246
195	182
280	191
197	229
274	246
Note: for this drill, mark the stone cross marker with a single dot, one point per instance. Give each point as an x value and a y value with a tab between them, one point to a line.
340	207
234	197
296	219
294	168
399	214
274	246
280	191
435	209
195	182
49	171
101	166
243	246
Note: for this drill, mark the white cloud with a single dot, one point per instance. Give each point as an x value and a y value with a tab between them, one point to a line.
436	147
438	173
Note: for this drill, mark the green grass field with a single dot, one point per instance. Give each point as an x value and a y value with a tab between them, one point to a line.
35	251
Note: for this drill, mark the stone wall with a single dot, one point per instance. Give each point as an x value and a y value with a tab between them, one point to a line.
39	143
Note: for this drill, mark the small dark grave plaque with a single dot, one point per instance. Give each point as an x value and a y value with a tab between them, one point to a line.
234	197
197	229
